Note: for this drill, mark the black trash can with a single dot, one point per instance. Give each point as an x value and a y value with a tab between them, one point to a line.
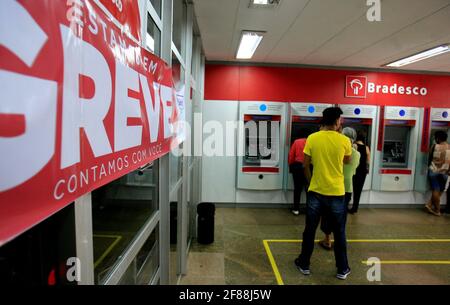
173	222
205	222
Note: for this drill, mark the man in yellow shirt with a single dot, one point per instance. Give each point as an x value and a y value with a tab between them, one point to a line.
327	150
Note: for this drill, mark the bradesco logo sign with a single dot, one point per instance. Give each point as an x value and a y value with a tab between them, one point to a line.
358	87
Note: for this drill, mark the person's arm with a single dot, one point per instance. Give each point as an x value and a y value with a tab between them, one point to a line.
368	154
356	158
368	159
430	155
347	159
307	168
348	152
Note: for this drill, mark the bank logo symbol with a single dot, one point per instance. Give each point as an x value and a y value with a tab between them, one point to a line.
356	86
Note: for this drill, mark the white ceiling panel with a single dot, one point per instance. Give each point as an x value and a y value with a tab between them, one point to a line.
363	33
328	32
406	42
319	21
216	19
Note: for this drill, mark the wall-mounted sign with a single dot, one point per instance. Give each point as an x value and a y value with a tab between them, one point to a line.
359	86
81	105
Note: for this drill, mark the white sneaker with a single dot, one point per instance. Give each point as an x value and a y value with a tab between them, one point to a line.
295	212
343	275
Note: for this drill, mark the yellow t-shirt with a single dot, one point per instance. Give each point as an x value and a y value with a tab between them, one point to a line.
327	149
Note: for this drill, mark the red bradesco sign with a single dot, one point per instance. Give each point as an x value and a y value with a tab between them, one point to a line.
80	105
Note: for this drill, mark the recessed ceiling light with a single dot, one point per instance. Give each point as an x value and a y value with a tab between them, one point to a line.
264	3
248	44
420	56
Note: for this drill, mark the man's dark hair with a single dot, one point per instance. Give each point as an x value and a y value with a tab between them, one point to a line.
440	136
330	115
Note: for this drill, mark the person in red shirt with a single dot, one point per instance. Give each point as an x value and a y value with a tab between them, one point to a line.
295	160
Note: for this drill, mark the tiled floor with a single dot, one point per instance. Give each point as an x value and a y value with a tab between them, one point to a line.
238	255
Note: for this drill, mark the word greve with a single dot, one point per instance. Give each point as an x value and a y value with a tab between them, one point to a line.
34	101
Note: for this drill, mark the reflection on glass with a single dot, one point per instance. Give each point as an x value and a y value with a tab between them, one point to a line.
174	246
39	256
175	162
119	210
144	266
157	6
177	73
195	61
153	39
179	23
175	166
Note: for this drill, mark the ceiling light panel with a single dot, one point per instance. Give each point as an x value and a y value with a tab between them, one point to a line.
263	3
420	56
248	44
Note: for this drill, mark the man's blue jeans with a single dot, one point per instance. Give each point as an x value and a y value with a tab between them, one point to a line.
332	207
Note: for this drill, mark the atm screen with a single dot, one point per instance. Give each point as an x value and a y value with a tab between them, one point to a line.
394	152
396	147
261	144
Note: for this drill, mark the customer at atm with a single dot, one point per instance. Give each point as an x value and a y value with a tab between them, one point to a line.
328	150
295	161
349	172
361	171
439	161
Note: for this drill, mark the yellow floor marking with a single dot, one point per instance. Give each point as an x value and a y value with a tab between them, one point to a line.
367	240
280	279
272	263
410	262
399	240
110	248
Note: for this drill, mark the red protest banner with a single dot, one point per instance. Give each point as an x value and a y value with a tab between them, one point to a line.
81	105
126	12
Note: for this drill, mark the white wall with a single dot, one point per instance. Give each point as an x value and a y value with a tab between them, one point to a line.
219	173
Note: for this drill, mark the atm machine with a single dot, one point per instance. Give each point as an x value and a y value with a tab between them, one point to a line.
395	154
434	119
303	117
363	117
260	145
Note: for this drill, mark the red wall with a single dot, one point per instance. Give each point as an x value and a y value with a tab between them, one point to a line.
287	84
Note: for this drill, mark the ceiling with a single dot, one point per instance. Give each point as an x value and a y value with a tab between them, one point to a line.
328	32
